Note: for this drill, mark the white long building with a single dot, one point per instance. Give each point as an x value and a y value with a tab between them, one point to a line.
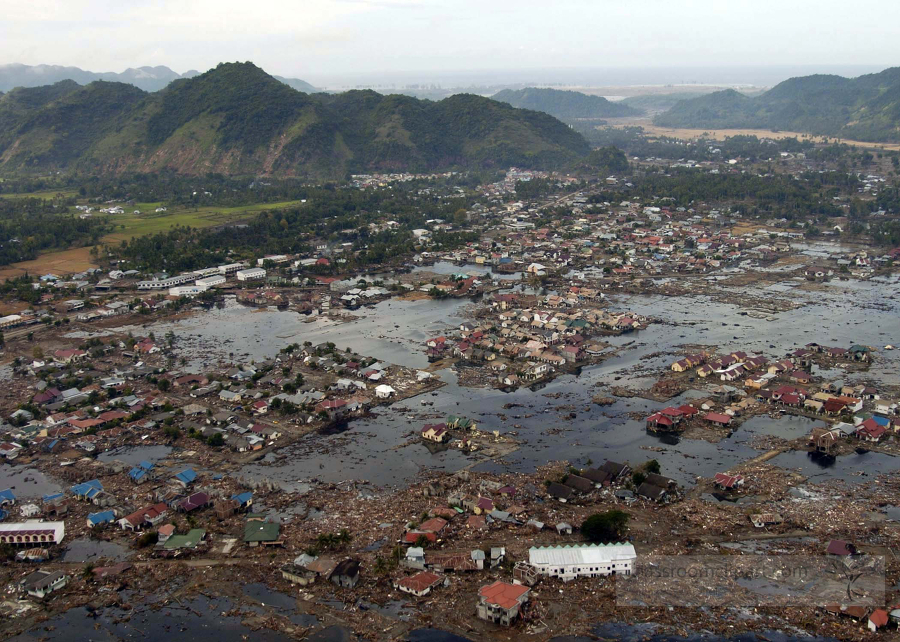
583	560
253	274
33	532
210	282
165	284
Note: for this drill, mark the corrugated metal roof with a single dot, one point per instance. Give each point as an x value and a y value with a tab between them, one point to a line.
581	554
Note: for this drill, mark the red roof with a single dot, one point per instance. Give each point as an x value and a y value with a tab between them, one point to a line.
485	503
660	419
688	410
420	581
504	595
476	521
879	617
727	481
411	537
433	525
718	418
840	547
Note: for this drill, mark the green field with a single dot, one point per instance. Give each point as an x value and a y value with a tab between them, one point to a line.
149	222
48	194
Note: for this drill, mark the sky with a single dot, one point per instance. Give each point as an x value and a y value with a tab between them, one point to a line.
335	41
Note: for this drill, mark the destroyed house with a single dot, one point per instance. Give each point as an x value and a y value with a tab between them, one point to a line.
559	491
616	470
346	573
597	476
728	482
652	492
579	484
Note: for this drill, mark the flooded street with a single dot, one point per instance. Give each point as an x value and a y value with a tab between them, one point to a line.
383	449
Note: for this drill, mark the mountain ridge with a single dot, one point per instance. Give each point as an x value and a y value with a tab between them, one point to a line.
865	108
148	78
564	104
236	119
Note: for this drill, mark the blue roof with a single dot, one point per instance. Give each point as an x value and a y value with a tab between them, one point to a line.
137	473
3	514
146	465
243	497
186	476
86	488
51	497
102	517
881	421
7	495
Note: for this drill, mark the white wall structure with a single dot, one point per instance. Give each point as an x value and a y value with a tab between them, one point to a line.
583	560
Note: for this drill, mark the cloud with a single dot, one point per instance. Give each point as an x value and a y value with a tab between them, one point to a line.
375	37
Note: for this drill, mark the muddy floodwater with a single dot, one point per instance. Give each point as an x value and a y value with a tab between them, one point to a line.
26	482
384	450
198	620
133	455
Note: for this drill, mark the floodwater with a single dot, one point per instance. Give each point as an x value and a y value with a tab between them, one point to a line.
650	632
281	603
89	550
384	450
133	455
200	620
391	331
469	269
26	482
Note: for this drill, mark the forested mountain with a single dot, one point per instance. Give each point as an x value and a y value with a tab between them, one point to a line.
236	119
659	102
566	105
146	78
864	108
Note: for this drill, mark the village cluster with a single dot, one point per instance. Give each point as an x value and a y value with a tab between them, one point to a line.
538	298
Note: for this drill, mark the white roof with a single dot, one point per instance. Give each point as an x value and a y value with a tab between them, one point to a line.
31	525
384	388
581	554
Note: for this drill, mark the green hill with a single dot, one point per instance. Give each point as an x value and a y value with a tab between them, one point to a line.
236	119
659	102
567	105
865	108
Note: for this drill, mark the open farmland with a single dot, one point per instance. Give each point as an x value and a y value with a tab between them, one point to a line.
61	262
73	260
133	225
721	134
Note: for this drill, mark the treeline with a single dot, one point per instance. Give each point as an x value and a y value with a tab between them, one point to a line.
776	195
330	214
635	142
29	226
887	233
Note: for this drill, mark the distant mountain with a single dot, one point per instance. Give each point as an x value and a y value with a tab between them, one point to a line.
567	105
865	108
236	119
296	83
146	78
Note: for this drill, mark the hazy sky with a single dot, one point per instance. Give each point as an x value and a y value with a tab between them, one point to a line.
325	39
